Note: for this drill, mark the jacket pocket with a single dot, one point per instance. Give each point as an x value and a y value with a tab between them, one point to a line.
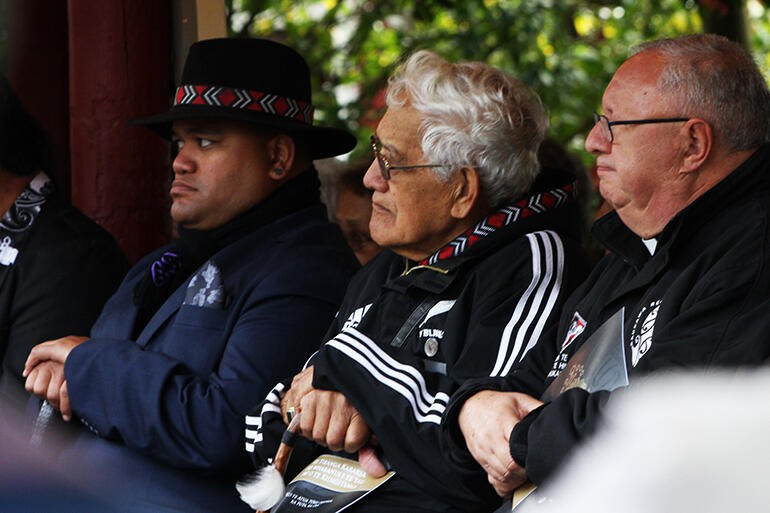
198	336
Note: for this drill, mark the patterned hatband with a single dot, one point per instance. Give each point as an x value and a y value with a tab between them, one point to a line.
244	99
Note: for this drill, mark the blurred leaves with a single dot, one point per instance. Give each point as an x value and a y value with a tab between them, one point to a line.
567	50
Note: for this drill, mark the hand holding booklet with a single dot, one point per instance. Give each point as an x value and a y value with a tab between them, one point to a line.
599	364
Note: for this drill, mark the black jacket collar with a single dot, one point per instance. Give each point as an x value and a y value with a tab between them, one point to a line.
753	174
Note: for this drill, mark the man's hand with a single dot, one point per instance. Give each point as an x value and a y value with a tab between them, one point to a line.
300	386
327	416
46	381
44	371
330	420
64	402
367	458
54	350
486	421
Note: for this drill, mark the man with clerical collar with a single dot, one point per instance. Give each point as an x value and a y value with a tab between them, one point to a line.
201	328
683	157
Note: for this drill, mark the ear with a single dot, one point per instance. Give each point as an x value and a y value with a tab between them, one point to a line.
282	151
698	142
467	193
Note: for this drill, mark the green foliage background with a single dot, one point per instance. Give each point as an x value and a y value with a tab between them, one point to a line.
567	50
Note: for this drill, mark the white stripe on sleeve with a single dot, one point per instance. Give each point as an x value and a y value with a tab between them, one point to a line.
401	378
547	272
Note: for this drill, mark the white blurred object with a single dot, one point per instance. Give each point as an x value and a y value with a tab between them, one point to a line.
266	487
263	490
685	442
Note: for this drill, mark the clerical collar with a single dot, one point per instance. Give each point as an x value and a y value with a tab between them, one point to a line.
650	244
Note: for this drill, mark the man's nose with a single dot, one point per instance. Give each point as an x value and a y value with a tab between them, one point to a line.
373	178
183	163
597	142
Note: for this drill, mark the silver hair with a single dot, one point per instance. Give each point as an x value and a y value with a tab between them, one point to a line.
715	79
474	115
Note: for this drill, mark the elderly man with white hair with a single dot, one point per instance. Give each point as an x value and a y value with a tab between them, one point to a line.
482	250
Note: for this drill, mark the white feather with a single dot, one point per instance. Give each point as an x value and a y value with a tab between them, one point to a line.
263	489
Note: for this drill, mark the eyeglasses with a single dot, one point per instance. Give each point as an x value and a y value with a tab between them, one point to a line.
385	166
607	125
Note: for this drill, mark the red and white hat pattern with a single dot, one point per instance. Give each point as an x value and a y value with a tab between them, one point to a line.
244	99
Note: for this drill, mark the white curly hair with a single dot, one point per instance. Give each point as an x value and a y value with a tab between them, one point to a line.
474	115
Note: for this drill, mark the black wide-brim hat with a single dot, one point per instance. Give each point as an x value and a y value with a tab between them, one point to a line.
256	81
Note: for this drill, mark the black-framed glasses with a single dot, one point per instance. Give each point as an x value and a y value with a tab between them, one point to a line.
607	125
386	166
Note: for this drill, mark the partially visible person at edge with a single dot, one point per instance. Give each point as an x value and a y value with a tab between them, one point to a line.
482	250
57	266
200	329
683	158
353	212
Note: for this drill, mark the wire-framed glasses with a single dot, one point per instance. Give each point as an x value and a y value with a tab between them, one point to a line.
607	125
386	166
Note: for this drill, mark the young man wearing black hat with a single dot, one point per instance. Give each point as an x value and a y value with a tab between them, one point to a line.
200	328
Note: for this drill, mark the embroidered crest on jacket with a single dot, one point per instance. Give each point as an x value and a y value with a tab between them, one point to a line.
576	327
641	334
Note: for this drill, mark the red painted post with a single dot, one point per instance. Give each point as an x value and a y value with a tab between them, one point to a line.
118	55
